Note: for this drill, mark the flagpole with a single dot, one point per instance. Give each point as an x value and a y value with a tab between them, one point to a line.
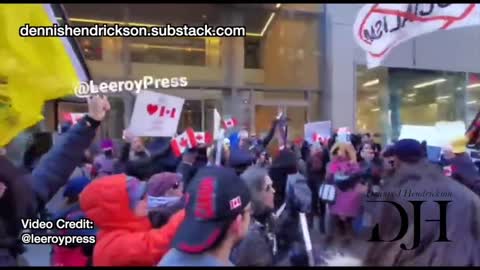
218	156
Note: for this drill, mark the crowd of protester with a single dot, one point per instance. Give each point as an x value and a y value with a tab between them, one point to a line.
151	208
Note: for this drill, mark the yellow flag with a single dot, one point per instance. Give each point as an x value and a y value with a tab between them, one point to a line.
32	69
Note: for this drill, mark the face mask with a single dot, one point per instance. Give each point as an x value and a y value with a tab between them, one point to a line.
155	202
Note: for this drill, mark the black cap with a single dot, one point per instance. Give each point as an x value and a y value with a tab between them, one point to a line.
408	150
241	157
215	198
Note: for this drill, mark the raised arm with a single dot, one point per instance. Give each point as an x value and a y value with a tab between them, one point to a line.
55	168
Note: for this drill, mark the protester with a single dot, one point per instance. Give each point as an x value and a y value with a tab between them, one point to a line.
259	246
316	169
164	197
283	165
73	254
40	145
241	159
217	217
26	195
462	166
118	206
414	173
371	165
104	163
343	172
187	168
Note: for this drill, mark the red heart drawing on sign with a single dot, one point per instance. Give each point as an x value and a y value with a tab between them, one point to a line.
151	109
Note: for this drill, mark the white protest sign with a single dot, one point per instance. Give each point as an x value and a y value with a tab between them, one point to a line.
321	128
420	133
217	121
156	115
449	131
379	28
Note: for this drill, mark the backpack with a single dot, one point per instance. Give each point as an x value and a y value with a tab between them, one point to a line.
64	256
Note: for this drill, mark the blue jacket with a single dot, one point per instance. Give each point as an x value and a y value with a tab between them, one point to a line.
27	194
55	168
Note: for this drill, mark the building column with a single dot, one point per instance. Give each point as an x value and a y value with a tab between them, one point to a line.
232	62
339	100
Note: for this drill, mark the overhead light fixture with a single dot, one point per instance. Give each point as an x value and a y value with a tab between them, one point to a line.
411	95
267	24
372	97
472	102
175	48
459	88
425	84
475	85
371	83
278	5
432	104
375	109
443	97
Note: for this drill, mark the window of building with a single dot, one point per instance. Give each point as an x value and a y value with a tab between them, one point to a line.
252	53
388	98
169	51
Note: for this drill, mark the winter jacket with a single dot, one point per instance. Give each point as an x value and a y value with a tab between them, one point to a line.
73	254
465	172
124	239
161	160
258	248
463	213
27	194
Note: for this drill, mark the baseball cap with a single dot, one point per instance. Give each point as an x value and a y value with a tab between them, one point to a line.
408	150
215	197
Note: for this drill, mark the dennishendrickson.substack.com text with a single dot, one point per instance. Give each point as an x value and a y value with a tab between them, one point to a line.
117	30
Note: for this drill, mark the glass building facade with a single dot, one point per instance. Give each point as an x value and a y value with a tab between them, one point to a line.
277	66
388	98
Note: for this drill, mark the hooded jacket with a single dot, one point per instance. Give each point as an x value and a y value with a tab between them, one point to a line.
123	238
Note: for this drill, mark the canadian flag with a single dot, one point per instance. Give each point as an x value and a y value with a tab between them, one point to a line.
229	123
183	141
165	111
73	118
447	171
235	202
318	138
203	137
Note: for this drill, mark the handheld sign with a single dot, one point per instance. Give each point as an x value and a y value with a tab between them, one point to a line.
156	115
343	135
316	131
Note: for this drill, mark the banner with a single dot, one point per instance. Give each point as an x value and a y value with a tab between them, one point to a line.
440	135
156	115
379	28
33	70
321	128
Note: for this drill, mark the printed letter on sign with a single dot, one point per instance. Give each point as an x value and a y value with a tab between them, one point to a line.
379	28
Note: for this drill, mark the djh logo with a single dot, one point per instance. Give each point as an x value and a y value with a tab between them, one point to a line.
405	224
